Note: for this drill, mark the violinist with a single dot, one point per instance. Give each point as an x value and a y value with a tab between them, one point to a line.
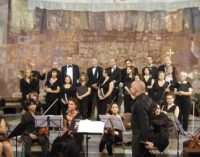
111	135
69	143
31	133
5	146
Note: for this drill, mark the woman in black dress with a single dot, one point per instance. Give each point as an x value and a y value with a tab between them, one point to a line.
69	144
27	85
170	107
82	92
148	81
105	93
67	91
160	89
52	88
183	90
127	93
170	77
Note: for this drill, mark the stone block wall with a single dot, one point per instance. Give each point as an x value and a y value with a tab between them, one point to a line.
45	36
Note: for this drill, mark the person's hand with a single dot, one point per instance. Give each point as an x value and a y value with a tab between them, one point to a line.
149	145
181	93
116	132
164	112
101	98
80	97
44	71
69	118
133	97
95	86
34	137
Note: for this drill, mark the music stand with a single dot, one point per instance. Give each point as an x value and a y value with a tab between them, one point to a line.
180	130
49	121
19	130
85	126
113	122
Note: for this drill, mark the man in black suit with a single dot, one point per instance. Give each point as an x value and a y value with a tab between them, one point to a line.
167	62
152	68
140	119
71	70
54	66
95	74
128	63
37	76
116	76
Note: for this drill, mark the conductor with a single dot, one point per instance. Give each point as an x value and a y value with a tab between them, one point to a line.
140	119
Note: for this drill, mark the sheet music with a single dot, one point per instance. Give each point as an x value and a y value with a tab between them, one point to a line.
105	119
88	126
55	121
115	120
102	93
66	97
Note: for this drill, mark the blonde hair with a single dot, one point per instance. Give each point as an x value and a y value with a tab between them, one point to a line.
183	73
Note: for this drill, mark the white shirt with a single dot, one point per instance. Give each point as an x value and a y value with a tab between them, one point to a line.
93	70
69	72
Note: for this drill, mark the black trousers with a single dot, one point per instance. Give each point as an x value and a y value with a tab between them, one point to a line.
102	106
128	101
184	107
28	142
138	148
83	107
108	140
92	98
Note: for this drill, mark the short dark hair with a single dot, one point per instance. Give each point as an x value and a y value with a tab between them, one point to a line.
107	71
127	60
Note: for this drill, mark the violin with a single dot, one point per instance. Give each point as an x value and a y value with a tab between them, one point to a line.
44	132
110	131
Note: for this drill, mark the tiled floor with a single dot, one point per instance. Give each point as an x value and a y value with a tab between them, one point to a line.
171	150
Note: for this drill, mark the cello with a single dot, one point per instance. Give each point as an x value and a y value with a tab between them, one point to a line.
194	142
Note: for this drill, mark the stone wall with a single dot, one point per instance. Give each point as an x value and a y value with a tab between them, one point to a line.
44	36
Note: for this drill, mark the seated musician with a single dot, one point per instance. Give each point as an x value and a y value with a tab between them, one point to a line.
5	146
31	133
111	135
170	107
69	143
40	108
159	137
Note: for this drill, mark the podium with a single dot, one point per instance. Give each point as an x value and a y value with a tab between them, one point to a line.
88	127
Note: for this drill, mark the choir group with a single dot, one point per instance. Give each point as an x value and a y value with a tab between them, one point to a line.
75	94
